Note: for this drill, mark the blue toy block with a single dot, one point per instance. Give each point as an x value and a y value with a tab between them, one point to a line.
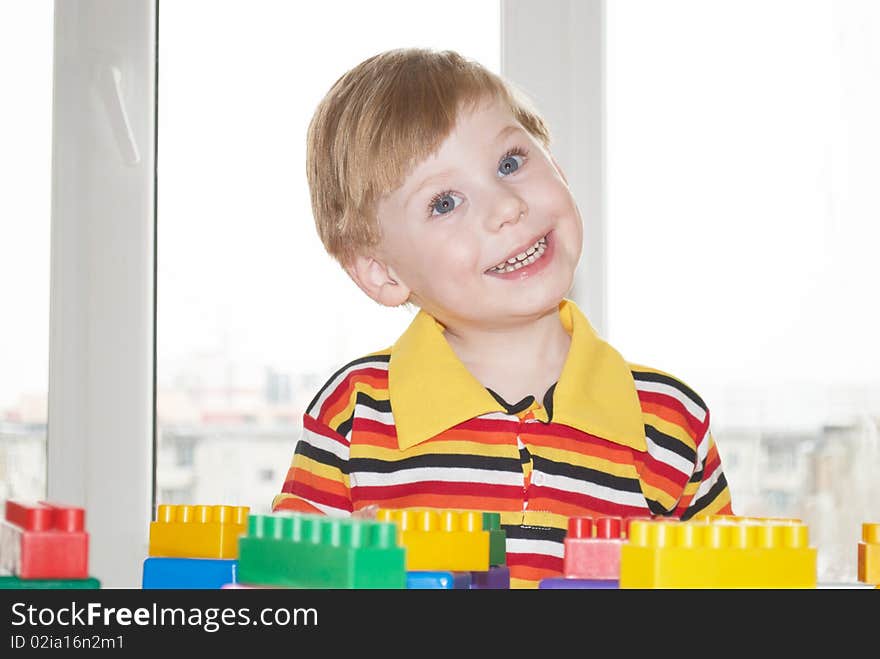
564	583
425	580
189	573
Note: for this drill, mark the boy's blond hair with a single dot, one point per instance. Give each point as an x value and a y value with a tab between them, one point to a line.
382	118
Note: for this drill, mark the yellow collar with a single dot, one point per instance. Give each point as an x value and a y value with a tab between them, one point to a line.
432	391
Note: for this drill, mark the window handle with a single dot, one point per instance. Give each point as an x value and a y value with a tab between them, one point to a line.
110	90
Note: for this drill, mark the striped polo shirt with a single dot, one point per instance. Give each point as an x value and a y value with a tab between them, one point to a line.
409	426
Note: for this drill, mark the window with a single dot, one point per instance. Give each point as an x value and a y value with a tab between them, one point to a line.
252	315
742	231
25	168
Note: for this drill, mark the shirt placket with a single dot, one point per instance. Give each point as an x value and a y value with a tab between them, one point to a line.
525	457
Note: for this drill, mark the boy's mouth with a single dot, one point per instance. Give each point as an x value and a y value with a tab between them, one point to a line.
522	259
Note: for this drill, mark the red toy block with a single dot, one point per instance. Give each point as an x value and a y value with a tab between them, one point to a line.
44	541
592	548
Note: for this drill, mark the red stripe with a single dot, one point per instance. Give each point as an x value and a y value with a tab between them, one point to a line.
321	497
469	489
315	426
696	427
584	501
541	561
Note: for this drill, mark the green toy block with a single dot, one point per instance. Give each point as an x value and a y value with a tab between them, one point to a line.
301	550
9	582
497	539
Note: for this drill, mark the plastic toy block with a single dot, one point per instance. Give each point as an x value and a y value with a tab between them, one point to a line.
567	583
42	540
437	539
197	531
11	582
727	553
427	580
869	554
302	550
496	578
497	539
188	573
592	548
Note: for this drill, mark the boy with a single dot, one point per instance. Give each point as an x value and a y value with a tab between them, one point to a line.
432	184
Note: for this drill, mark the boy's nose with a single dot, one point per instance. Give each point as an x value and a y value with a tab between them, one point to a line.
508	213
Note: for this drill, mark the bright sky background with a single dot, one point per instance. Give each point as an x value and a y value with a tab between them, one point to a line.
742	178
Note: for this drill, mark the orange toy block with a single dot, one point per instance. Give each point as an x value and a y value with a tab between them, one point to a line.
869	554
198	531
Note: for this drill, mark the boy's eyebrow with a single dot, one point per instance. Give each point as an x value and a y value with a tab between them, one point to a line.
503	133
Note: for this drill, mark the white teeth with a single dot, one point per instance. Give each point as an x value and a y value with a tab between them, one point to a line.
525	258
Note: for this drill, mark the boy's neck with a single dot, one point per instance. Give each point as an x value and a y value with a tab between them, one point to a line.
514	361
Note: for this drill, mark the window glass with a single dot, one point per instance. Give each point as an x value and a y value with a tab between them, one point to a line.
742	236
25	205
253	316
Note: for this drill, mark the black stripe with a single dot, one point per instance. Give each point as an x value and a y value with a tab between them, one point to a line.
364	399
657	508
516	408
672	382
320	455
586	474
455	461
359	360
671	443
698	506
526	532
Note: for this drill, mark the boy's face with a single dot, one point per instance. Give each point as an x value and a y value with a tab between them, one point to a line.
490	194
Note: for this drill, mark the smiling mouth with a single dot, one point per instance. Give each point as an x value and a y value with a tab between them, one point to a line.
522	259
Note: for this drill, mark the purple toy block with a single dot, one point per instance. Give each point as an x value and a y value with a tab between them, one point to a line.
497	578
563	583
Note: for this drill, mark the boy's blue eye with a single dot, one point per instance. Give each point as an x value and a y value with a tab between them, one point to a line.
509	164
444	203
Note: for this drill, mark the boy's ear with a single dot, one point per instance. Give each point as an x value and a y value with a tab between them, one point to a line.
378	280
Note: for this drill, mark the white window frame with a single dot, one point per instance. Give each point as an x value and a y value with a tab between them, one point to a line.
101	356
101	429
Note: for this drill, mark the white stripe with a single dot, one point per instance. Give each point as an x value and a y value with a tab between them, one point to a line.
499	416
367	412
543	547
601	492
442	474
668	457
329	391
668	390
703	448
705	486
330	510
325	444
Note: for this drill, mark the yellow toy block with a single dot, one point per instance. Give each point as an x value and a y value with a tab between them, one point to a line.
718	553
869	554
438	539
198	531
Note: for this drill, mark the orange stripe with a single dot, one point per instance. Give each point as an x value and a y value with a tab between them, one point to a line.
297	505
662	483
353	381
485	504
300	475
602	451
668	414
531	573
